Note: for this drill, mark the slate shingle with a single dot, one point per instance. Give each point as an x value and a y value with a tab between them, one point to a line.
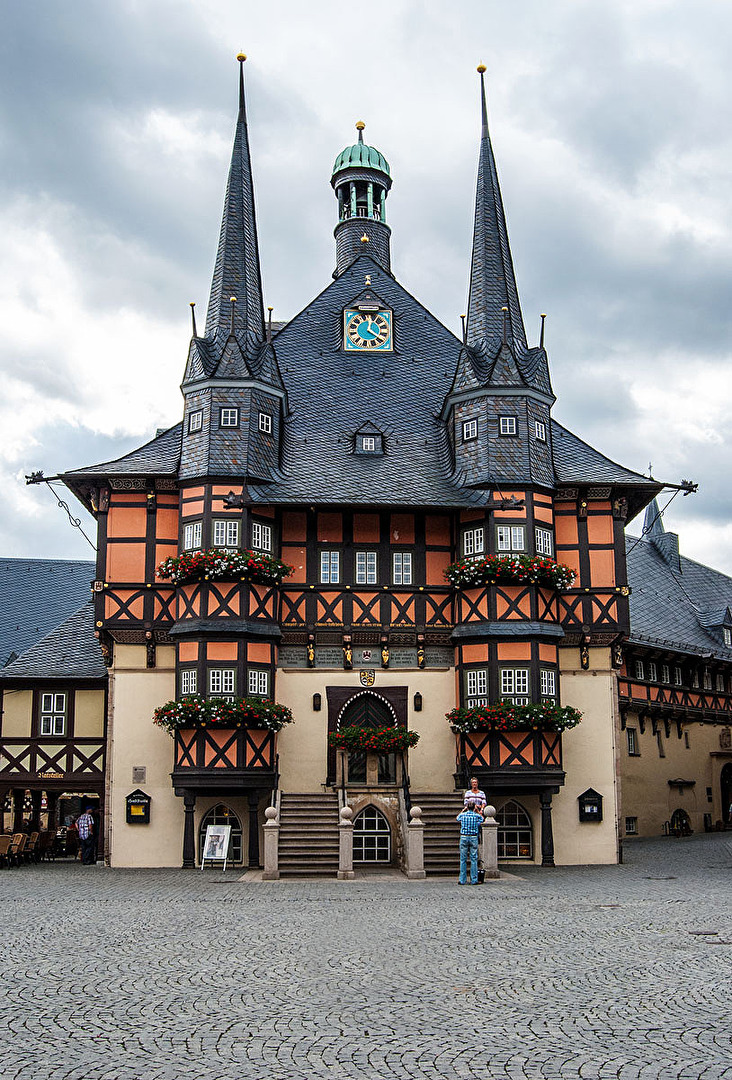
70	651
36	595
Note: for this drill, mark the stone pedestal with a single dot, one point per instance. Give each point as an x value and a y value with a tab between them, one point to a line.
489	843
271	845
345	845
415	844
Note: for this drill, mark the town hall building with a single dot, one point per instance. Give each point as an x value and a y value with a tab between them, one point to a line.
368	564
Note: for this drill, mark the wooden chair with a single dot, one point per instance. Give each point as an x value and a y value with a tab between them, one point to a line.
45	846
17	844
30	851
5	842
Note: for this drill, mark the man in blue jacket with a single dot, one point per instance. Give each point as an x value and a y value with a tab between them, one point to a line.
470	825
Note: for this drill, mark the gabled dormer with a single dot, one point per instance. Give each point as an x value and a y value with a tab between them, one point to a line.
368	441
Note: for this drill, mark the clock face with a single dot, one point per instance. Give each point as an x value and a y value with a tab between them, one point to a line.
367	331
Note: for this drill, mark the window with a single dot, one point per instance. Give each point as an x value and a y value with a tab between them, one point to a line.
631	826
371	837
661	748
330	567
720	683
544	545
515	685
188	681
265	423
507	425
365	567
686	740
470	430
53	714
510	538
727	636
514	832
192	536
632	737
540	431
368	443
261	536
665	673
652	672
477	687
707	679
402	568
221	681
226	534
228	417
639	671
677	676
195	421
548	683
474	541
258	682
695	679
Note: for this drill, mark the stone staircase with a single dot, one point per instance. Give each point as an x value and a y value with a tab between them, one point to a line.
441	830
308	835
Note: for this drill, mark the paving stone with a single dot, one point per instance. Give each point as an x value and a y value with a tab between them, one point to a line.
600	973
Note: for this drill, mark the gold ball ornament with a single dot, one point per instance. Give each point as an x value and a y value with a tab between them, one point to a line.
481	69
241	57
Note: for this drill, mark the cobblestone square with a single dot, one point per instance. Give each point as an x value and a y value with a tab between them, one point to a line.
589	972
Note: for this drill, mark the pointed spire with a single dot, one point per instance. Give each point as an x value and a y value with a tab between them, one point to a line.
236	271
653	522
492	280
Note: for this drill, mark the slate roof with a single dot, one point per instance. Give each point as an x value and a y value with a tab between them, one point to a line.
158	457
35	596
69	651
666	606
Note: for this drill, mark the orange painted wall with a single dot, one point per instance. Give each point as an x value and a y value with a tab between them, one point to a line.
548	653
437	529
295	556
565	529
366	528
602	568
188	650
475	654
600	530
221	650
126	562
166	524
192	509
330	528
513	650
294	526
435	563
401	529
127	521
259	652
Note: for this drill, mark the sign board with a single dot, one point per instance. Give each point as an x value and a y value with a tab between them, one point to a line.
216	844
137	808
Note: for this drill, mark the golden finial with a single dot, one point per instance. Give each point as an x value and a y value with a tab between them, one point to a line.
481	69
232	299
368	279
360	125
364	239
241	57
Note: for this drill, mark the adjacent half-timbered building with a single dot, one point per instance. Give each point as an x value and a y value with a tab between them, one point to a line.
370	450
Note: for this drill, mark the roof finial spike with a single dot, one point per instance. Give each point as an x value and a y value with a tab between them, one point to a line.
541	332
232	301
269	325
505	325
465	329
359	128
483	105
241	57
193	317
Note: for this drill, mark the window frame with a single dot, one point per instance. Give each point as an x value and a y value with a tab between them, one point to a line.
509	682
631	829
639	669
265	533
57	714
540	431
366	567
476	687
196	528
545	536
631	735
197	415
333	558
265	423
224	410
548	677
256	678
473	535
226	675
512	547
189	674
405	574
652	671
470	430
227	523
507	425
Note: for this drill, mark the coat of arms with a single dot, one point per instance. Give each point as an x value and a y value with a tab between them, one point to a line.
368	677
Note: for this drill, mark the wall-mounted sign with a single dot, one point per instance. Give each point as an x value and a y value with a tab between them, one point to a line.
590	805
138	808
367	677
51	775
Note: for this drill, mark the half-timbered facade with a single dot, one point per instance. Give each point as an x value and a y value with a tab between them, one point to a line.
368	448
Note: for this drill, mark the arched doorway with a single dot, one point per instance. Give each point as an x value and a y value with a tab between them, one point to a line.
222	815
371	837
726	785
680	823
368	710
515	834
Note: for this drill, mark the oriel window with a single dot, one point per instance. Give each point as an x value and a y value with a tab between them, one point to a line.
226	534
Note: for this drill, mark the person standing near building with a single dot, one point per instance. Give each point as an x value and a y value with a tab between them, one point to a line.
85	825
475	795
470	823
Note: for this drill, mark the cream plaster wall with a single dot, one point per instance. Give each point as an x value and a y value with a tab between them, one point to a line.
647	794
89	714
303	746
134	692
17	713
589	761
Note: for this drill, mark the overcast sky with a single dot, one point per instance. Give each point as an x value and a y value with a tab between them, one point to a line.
612	128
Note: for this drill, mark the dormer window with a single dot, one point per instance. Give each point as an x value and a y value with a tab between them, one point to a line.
195	421
368	441
265	423
727	636
507	425
540	431
470	430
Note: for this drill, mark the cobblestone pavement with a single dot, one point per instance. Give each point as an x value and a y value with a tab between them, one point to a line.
589	972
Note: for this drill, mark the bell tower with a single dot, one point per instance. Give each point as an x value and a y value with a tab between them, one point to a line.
361	180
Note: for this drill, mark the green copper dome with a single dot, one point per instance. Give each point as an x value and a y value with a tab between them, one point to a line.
361	156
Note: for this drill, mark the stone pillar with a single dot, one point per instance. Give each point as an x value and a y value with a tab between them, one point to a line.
370	199
489	843
189	830
547	836
345	845
415	844
352	187
271	845
253	861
